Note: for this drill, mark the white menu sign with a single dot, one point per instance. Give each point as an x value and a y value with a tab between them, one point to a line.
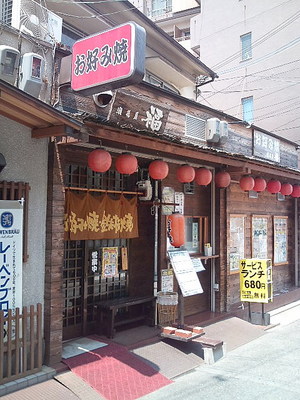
184	270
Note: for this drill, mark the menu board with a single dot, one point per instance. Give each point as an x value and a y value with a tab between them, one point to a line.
280	240
259	237
185	273
236	249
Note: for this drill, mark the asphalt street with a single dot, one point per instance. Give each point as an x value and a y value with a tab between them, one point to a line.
267	368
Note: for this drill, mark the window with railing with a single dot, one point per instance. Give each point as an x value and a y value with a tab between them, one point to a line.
6	11
160	8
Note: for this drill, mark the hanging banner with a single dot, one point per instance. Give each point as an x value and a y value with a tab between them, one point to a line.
256	280
109	262
89	217
11	241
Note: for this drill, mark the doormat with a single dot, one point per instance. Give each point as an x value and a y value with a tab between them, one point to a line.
116	374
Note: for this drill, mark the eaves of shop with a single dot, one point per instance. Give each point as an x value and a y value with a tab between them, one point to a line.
41	118
97	132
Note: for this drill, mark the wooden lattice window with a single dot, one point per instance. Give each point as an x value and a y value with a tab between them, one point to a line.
17	191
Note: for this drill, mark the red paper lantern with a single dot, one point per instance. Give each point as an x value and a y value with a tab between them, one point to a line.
273	186
158	169
176	229
203	176
286	189
259	184
296	191
126	164
222	179
185	173
99	160
246	183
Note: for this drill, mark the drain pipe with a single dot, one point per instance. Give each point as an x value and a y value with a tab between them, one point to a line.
296	244
155	211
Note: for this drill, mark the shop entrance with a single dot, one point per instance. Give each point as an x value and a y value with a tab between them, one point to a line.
84	284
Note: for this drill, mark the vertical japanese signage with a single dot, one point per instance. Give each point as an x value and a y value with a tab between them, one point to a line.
109	59
11	236
94	261
266	146
256	280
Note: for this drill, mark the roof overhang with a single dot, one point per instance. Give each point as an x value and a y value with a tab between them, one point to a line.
42	119
95	16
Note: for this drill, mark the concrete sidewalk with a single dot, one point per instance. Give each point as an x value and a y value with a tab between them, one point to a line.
68	386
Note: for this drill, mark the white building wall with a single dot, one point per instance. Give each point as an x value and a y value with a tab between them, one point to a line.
26	160
271	76
179	5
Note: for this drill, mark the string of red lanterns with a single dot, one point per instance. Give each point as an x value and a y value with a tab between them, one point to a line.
100	160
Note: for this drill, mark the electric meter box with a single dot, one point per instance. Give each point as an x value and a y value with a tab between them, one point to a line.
9	63
31	73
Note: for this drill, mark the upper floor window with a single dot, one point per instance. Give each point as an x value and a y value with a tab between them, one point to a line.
247	103
246	46
160	7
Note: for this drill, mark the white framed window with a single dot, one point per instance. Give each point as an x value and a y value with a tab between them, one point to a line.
160	7
247	104
246	46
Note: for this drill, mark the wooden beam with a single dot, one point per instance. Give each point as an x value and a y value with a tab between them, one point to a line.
56	130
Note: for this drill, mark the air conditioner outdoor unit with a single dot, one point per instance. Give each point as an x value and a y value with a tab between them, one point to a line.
31	73
212	130
32	18
223	131
9	62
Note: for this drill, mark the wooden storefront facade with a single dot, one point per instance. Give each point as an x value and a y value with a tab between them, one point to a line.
74	290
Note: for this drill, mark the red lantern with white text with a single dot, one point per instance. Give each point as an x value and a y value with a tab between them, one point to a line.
99	160
286	189
273	186
185	173
259	184
222	179
126	164
176	229
203	176
246	183
158	169
296	191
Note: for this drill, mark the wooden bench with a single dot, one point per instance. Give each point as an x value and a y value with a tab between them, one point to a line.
108	310
213	349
